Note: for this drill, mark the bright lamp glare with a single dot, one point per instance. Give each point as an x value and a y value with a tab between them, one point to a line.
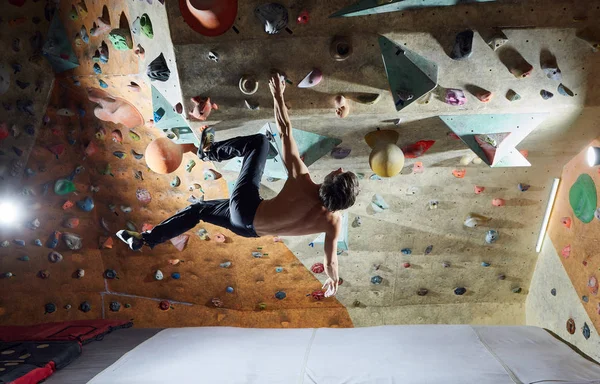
592	156
8	212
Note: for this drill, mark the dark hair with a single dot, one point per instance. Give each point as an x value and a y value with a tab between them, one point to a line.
339	191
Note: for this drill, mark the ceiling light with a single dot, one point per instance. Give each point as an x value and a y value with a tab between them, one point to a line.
593	156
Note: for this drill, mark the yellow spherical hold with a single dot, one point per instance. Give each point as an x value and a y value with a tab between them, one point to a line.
163	156
386	160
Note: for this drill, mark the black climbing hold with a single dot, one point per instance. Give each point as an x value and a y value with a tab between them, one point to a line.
114	306
85	307
546	95
517	290
158	69
50	308
463	46
422	291
110	274
553	291
460	291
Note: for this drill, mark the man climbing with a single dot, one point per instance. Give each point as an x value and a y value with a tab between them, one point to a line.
301	208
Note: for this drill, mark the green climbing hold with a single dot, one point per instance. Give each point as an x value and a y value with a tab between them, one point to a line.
73	13
146	25
64	187
120	154
134	136
583	198
121	39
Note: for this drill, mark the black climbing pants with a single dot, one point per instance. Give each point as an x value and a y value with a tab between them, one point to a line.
237	212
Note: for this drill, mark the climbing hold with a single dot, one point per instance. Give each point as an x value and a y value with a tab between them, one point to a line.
455	96
34	224
318	295
104	224
102	83
571	326
460	291
280	295
44	274
110	274
566	251
317	268
220	238
5	244
121	39
176	275
378	203
459	173
180	242
24	258
248	85
340	152
313	78
491	236
546	95
553	291
53	240
273	16
146	26
303	17
428	249
565	91
484	96
71	222
158	275
406	265
585	331
97	70
463	46
498	202
357	222
63	187
524	70
158	69
143	196
523	187
406	251
6	275
85	307
120	154
86	204
226	264
478	189
485	264
73	241
417	149
138	156
37	242
474	220
211	174
20	243
202	108
176	182
496	39
229	289
433	204
501	276
418	167
278	269
190	165
376	280
422	291
341	48
164	305
213	56
114	306
217	302
593	285
159	114
50	308
141	53
516	290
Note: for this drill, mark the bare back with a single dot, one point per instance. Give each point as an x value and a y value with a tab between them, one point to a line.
295	211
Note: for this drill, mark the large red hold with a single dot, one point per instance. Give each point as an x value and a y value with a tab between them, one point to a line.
417	149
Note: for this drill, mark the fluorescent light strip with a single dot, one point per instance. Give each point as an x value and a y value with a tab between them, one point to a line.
553	192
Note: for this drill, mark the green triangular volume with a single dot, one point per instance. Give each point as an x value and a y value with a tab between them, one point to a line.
370	7
57	49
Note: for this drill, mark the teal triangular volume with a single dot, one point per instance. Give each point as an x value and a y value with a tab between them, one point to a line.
57	49
342	244
410	75
512	128
370	7
172	123
310	145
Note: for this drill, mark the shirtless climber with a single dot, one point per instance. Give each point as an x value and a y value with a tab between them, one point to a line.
301	208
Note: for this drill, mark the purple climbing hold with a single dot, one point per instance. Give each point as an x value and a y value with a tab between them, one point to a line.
428	249
340	152
455	97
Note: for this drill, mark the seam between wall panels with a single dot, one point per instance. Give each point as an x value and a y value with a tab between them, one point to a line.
306	355
510	373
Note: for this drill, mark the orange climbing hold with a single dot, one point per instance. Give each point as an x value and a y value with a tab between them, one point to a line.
147	227
67	205
220	238
566	221
106	242
459	173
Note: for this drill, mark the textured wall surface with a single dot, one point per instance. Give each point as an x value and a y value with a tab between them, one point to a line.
552	311
533	30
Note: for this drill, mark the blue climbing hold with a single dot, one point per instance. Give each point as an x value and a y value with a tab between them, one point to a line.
24	258
85	307
376	280
19	242
159	114
102	83
279	269
81	112
280	295
586	331
97	69
406	251
77	83
86	204
50	308
485	264
585	299
491	236
110	274
38	242
53	240
523	187
553	291
375	177
460	291
176	275
229	289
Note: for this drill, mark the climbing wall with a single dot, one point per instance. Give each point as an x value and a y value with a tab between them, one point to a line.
575	229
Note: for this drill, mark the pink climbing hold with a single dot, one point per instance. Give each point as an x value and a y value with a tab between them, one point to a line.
117	136
180	242
459	173
143	196
566	251
317	268
479	190
202	108
455	97
57	149
91	149
498	202
593	285
220	238
147	227
406	265
418	167
566	221
164	305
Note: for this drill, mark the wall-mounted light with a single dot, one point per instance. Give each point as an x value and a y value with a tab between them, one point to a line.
9	212
542	235
593	156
